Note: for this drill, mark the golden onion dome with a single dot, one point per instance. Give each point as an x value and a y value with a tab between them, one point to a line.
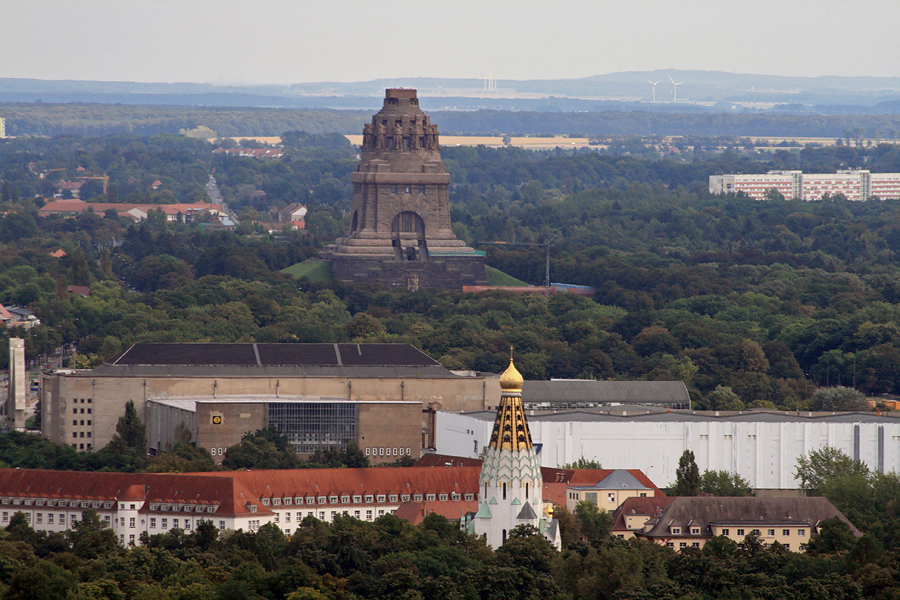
511	380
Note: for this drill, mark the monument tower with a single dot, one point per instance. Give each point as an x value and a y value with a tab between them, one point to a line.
400	231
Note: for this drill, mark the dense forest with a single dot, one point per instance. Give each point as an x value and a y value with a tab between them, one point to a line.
751	304
49	119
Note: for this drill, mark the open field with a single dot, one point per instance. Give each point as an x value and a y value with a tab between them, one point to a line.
544	143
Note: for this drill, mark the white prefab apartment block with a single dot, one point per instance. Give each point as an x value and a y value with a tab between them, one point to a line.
761	446
856	185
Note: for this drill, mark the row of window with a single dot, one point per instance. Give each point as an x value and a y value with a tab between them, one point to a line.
75	411
75	423
359	499
769	532
388	452
59	503
211	508
82	446
75	434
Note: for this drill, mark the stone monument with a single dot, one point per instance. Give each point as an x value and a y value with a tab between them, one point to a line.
400	231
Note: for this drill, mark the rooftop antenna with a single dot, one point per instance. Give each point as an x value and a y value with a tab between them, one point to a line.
675	89
654	89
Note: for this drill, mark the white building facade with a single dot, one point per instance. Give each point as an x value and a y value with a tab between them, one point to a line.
855	185
762	447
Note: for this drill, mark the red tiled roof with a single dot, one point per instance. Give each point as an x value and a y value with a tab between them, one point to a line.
80	290
349	482
58	253
32	483
415	512
444	460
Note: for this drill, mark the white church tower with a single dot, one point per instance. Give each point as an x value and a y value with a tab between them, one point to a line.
511	485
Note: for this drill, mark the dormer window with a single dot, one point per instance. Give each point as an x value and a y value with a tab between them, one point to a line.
287	501
381	498
676	530
265	501
321	499
417	497
154	507
345	499
310	500
404	497
469	497
252	508
695	531
454	496
332	499
298	501
276	501
38	502
392	498
370	498
188	508
357	499
429	497
442	497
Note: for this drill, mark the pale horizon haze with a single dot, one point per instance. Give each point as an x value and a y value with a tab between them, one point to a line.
284	42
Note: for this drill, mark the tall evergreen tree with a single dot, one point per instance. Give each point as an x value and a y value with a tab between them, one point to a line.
687	476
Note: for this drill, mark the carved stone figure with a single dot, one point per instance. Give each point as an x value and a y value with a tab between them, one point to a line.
398	137
367	141
379	136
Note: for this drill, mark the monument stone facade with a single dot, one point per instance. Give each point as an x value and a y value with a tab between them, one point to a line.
400	232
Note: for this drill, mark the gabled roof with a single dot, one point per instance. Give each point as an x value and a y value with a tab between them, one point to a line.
619	479
649	506
750	512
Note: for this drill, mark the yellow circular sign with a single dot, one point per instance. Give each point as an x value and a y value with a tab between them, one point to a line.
217	420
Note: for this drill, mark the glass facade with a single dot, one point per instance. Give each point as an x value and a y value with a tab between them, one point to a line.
314	426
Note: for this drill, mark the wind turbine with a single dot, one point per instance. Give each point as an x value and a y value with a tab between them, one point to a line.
654	88
675	89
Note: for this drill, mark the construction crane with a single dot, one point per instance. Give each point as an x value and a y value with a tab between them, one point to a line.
546	245
104	179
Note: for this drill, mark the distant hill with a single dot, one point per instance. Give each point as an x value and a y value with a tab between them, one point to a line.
703	91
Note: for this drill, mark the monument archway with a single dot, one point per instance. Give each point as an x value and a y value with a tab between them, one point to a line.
408	236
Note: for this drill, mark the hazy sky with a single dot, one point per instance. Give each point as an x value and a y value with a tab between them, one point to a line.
296	41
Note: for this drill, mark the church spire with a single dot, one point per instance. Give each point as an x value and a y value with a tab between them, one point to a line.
510	427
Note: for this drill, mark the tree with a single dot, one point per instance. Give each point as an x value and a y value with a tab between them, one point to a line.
262	449
595	524
687	476
839	398
723	483
823	466
583	463
130	431
91	537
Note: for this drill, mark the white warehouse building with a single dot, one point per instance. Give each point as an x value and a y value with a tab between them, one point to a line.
761	446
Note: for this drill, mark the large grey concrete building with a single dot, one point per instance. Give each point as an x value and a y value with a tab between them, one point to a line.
382	396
